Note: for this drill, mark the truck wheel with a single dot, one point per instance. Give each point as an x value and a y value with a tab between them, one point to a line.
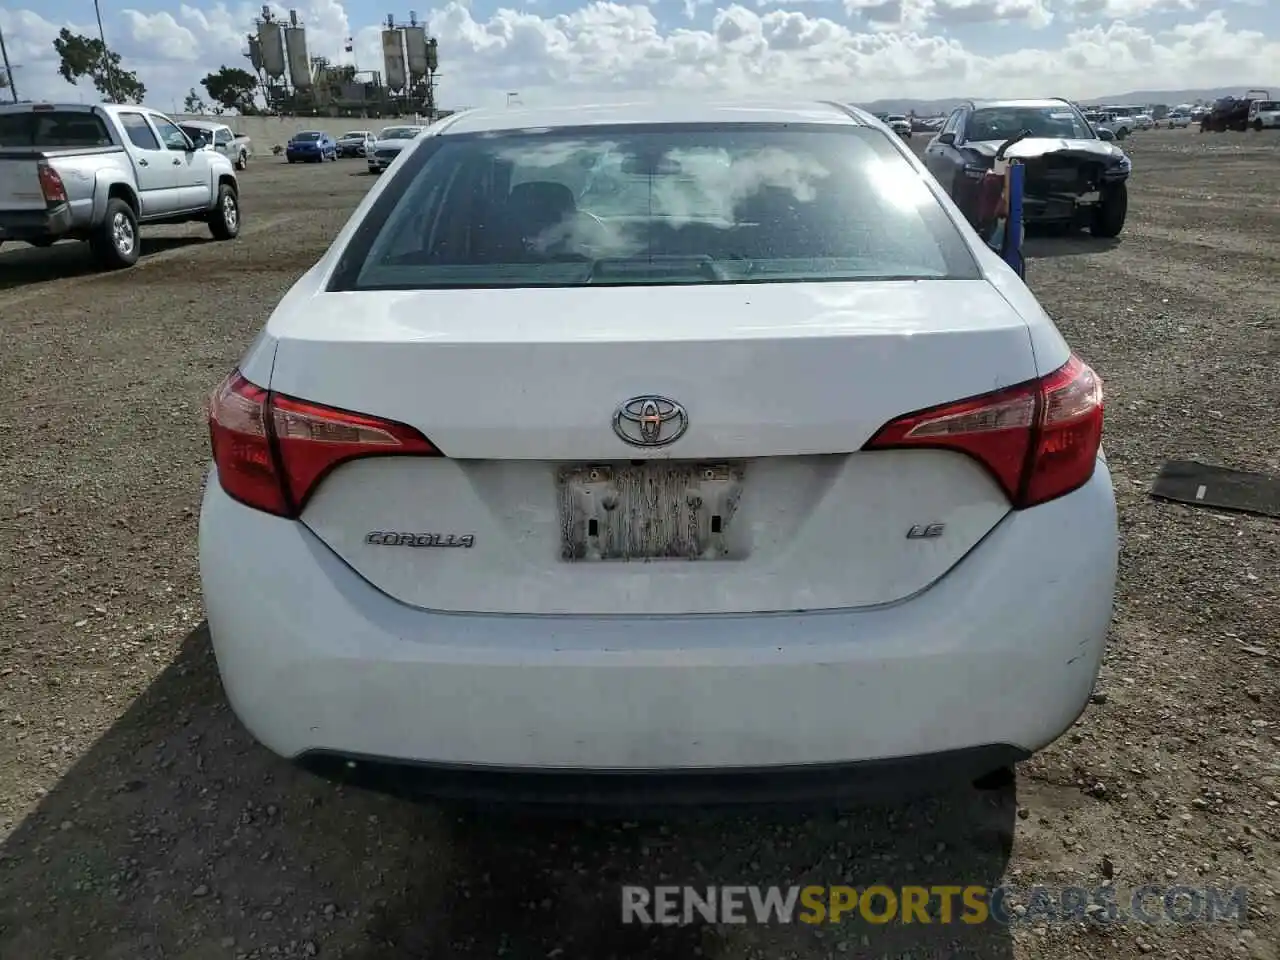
1108	219
1257	125
242	161
224	218
114	242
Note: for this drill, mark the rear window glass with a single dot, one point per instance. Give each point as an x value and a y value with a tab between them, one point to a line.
654	205
53	128
307	136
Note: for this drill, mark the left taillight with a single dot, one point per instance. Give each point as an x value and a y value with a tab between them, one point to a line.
51	185
273	450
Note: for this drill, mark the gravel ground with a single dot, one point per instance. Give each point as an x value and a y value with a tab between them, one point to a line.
138	820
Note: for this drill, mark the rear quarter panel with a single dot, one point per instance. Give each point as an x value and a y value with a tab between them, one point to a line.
89	181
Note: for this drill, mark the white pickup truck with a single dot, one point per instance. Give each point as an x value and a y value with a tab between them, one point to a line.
207	135
95	173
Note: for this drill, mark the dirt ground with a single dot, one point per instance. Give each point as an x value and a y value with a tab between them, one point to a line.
139	821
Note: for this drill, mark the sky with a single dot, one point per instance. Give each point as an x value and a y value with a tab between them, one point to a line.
571	51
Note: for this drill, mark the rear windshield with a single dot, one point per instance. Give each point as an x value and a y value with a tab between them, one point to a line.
398	133
1268	104
696	204
354	135
308	136
1002	123
53	128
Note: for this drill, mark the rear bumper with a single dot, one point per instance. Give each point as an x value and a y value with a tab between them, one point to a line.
798	784
999	656
35	224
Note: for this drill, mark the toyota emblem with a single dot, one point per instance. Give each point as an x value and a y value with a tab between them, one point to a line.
650	421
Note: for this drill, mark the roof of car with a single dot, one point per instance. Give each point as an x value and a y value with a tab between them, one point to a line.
482	120
1046	102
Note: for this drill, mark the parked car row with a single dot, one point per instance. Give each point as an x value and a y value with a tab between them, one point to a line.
316	146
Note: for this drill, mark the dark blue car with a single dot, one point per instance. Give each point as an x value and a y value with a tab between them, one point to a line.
311	146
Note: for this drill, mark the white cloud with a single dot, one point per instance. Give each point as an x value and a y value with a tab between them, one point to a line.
852	49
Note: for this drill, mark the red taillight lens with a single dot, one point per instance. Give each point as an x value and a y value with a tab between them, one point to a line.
1039	439
272	450
51	185
242	446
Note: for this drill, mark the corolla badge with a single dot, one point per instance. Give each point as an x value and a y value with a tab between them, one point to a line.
650	421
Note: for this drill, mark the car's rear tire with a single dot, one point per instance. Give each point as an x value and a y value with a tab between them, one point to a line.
114	242
1257	125
1108	219
242	161
1122	133
42	242
224	218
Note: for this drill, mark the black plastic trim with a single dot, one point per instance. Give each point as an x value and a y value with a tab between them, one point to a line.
651	790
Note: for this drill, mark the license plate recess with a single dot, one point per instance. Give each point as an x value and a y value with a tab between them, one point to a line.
656	510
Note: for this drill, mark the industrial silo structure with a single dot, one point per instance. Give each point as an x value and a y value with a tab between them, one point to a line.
415	47
255	54
295	45
393	57
271	49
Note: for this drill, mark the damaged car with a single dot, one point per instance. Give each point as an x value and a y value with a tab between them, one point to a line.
1074	177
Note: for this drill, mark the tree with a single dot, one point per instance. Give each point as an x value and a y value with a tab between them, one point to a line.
233	89
193	103
85	57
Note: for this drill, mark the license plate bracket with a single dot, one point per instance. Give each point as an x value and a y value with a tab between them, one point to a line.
654	510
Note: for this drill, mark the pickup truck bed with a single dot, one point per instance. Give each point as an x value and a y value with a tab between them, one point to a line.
96	173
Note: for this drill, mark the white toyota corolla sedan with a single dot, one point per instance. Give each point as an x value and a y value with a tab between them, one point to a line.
698	452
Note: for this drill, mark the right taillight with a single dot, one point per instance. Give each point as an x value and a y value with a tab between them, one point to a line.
51	185
1039	439
272	450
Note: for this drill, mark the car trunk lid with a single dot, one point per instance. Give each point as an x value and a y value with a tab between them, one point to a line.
765	502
